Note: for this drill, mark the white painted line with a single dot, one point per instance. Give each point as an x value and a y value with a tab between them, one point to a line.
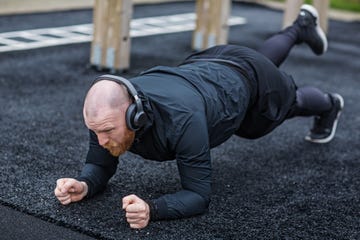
8	41
46	37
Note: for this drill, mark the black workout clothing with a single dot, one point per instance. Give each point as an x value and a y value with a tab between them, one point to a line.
192	108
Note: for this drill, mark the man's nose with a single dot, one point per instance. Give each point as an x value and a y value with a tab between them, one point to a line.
103	139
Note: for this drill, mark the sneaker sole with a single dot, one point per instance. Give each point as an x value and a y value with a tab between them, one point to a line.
321	33
333	130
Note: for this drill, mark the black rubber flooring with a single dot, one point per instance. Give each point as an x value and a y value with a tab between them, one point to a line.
17	225
277	187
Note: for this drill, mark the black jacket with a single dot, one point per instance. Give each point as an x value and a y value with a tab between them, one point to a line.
191	109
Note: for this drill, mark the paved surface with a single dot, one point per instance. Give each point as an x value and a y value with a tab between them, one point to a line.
17	6
277	187
32	6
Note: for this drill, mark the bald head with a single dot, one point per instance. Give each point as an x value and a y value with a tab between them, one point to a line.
105	95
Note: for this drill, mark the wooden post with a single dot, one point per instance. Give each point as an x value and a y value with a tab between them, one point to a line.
323	8
200	25
211	23
110	48
99	17
292	8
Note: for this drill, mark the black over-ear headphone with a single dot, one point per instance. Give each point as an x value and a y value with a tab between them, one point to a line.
135	115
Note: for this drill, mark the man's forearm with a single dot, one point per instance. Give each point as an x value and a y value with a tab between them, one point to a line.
178	205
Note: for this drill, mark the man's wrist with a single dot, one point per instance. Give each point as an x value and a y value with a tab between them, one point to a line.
152	209
85	188
88	185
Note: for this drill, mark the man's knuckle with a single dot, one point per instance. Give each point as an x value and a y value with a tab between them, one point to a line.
141	208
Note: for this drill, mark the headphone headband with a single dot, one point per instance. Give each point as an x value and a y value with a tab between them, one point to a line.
135	115
132	91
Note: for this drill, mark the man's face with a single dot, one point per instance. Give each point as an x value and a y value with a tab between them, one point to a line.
110	128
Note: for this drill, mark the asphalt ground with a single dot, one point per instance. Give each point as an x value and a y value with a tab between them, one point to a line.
276	187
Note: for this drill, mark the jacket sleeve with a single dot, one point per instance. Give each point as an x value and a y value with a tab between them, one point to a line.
100	166
193	160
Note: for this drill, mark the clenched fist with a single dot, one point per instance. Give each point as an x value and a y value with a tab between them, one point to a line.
137	211
70	190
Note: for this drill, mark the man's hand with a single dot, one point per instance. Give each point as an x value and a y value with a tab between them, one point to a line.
137	211
70	190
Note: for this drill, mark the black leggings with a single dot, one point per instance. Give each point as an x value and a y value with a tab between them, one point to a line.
309	100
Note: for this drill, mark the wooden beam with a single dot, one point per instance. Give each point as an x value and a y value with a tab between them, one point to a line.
323	8
292	8
211	23
110	48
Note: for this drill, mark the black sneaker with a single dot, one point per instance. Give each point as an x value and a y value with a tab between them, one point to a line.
310	31
324	127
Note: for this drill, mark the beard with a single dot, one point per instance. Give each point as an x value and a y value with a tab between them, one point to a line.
116	149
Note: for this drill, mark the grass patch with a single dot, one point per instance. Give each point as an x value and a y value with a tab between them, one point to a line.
350	5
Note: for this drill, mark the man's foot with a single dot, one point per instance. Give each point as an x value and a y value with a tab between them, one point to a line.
324	127
310	31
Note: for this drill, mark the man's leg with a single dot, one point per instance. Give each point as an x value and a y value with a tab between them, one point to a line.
310	101
305	29
326	108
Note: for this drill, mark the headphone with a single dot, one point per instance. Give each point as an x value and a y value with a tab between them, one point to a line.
135	116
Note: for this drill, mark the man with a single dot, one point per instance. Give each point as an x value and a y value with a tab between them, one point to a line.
182	112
